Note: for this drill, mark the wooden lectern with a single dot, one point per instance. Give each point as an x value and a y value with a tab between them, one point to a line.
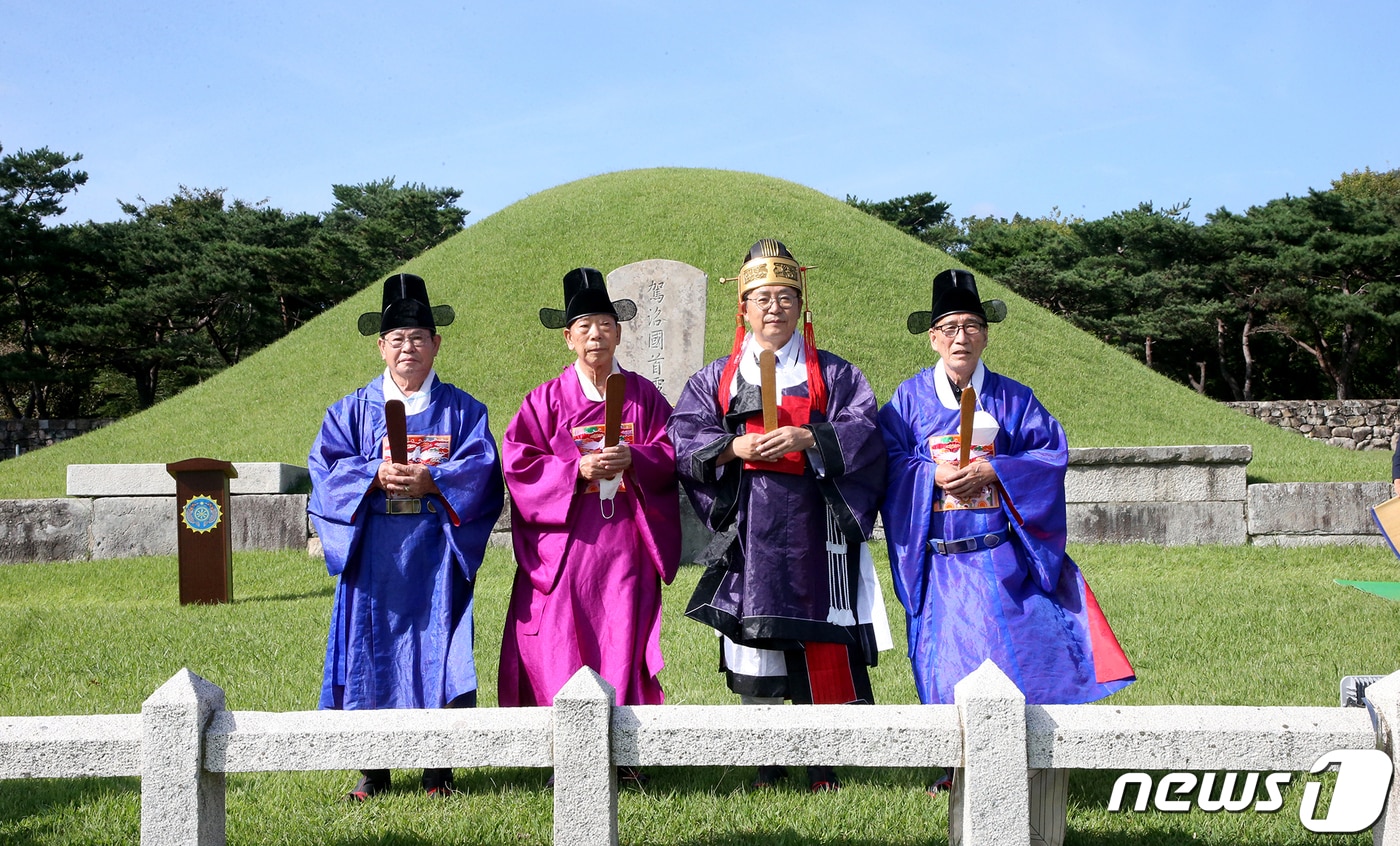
202	525
1387	517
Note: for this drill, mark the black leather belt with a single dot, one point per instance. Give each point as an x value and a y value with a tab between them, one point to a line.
972	544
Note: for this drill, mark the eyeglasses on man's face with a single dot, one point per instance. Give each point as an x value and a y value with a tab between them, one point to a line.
415	339
972	330
763	301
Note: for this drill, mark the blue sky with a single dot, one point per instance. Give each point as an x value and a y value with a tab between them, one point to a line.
998	108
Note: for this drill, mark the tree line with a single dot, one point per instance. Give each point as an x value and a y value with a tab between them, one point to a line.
1298	298
104	319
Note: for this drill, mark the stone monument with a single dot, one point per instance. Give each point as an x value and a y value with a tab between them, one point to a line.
665	342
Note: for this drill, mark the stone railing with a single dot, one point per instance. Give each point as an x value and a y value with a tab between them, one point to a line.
184	742
1351	424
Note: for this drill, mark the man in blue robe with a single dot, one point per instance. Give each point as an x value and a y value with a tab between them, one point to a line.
978	551
793	589
404	539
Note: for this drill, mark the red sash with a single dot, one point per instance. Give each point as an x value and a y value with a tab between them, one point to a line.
829	673
792	411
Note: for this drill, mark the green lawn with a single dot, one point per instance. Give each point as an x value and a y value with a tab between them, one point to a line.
498	273
1203	625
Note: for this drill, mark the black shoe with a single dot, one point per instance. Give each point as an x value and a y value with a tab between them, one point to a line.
769	776
942	785
822	780
438	782
366	787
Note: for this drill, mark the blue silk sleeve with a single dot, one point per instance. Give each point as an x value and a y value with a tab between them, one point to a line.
908	503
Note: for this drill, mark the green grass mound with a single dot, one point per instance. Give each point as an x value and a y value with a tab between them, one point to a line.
499	272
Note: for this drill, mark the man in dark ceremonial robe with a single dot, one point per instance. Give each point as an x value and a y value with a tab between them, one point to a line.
791	586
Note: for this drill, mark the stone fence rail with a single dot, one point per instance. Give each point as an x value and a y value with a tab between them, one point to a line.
184	742
1350	424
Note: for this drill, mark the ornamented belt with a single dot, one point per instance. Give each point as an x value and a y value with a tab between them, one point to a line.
971	544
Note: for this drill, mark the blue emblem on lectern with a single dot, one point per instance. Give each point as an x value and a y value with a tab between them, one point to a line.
200	514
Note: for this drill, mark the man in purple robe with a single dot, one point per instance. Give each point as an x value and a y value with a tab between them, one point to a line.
791	586
405	540
596	528
978	551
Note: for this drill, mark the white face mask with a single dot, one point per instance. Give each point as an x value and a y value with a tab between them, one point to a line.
984	428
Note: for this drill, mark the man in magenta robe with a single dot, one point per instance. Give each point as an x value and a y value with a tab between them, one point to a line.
596	529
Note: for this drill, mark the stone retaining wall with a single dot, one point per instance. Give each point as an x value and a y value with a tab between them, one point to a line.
127	510
21	436
1314	513
1168	496
1350	424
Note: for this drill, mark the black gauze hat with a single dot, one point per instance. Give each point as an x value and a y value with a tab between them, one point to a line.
586	293
955	292
405	307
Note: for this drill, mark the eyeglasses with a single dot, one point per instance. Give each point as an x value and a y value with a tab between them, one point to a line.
972	330
763	301
398	342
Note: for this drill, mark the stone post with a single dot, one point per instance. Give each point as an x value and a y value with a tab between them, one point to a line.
181	803
585	781
995	807
1384	696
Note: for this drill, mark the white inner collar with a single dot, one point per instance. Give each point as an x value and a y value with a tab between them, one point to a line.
945	388
412	404
792	363
586	381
